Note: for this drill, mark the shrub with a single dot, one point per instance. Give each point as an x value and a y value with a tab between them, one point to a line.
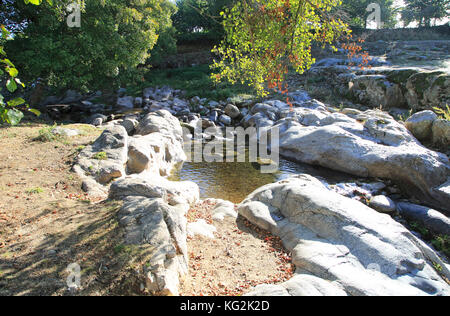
115	36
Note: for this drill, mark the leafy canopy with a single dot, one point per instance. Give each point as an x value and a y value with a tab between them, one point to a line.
200	19
114	38
266	37
424	11
9	113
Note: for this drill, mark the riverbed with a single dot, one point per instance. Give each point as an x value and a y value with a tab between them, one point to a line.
234	181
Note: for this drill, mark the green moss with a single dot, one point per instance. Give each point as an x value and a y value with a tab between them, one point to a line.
100	156
423	81
400	76
440	242
440	81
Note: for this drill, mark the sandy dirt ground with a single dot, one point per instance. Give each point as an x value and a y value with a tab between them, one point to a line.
240	257
47	223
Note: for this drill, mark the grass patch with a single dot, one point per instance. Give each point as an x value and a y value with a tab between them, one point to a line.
405	117
46	135
440	242
195	81
125	249
85	129
37	190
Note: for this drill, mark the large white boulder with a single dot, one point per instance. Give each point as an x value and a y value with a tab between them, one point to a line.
152	186
156	152
160	122
421	124
367	144
340	240
159	230
441	133
104	160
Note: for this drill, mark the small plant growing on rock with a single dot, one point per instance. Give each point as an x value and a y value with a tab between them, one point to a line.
100	156
405	117
444	113
442	243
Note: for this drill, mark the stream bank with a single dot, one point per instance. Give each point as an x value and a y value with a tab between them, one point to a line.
155	215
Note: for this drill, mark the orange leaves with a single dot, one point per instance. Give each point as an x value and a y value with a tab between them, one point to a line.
201	211
356	51
275	81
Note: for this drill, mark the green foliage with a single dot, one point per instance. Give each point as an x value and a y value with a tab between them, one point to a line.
444	113
9	113
114	38
442	243
166	46
265	38
424	11
405	117
439	242
200	19
420	229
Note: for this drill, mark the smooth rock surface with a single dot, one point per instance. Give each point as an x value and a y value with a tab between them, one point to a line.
155	152
383	204
126	102
114	143
371	144
222	209
341	240
160	122
232	111
421	123
152	186
441	133
161	230
433	220
201	227
299	285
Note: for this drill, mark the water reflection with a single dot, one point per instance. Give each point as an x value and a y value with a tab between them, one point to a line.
234	181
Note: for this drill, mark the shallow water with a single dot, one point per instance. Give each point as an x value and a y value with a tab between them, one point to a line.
234	181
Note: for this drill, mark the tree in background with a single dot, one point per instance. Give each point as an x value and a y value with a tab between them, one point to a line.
424	11
201	16
354	12
265	38
115	36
